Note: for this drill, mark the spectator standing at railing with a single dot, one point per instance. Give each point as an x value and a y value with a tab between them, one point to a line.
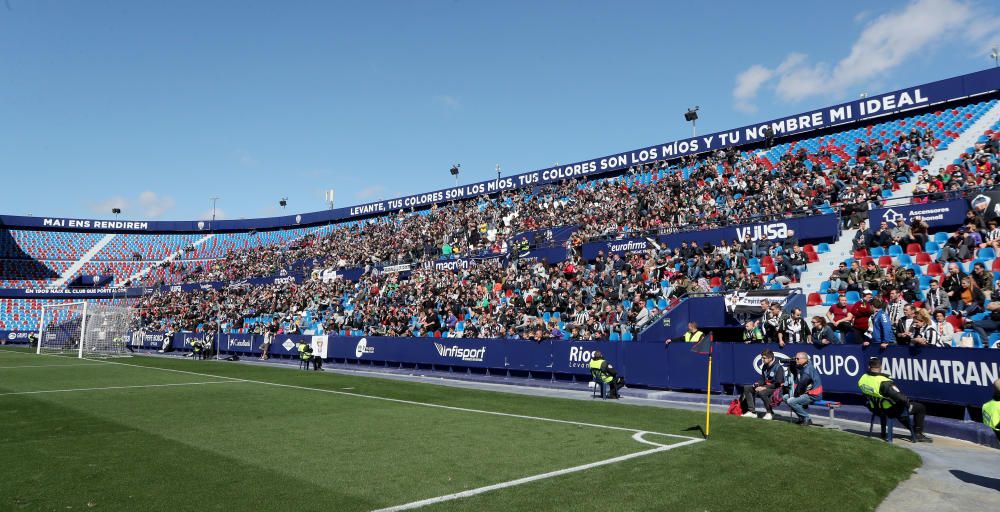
861	313
821	333
924	332
794	329
881	328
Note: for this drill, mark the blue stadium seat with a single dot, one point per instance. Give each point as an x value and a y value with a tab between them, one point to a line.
830	299
627	336
614	336
853	297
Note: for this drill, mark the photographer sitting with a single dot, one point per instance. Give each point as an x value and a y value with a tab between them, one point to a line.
606	375
806	388
772	375
886	400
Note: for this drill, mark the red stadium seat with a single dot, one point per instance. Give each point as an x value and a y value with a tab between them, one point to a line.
934	269
814	299
922	258
885	261
860	253
913	249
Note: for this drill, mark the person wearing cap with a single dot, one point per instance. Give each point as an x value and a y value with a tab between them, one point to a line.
606	374
886	399
991	410
861	313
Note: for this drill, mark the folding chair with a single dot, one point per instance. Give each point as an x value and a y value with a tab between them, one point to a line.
599	386
886	423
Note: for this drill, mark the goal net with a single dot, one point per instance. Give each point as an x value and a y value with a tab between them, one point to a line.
84	329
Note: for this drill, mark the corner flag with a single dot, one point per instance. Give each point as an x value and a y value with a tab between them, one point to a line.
704	347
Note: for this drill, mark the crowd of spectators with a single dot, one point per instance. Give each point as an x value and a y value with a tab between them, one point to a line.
716	189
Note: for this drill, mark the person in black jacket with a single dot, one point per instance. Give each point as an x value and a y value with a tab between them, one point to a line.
890	400
772	375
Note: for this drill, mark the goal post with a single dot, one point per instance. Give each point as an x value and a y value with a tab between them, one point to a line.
84	329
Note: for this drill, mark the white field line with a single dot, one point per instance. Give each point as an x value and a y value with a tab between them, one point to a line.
637	435
115	387
542	476
410	402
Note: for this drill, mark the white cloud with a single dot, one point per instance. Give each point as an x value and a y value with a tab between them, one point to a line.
448	101
154	205
148	204
747	85
369	192
884	44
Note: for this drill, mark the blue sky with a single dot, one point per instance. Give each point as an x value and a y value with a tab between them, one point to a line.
155	107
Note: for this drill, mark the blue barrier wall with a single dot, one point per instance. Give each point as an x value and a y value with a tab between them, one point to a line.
955	376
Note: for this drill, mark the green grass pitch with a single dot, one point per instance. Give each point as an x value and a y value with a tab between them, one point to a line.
172	434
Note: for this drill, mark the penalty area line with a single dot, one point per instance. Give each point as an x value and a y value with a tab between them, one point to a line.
542	476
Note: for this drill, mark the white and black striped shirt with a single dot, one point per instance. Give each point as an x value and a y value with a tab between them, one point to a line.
929	333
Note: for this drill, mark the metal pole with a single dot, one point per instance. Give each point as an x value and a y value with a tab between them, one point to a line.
41	327
694	128
83	329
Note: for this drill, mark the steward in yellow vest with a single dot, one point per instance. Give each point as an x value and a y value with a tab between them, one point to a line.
991	411
604	373
886	399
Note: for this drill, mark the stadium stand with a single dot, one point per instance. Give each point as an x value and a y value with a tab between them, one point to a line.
842	172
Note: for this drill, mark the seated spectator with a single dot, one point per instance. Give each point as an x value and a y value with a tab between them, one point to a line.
772	376
881	237
872	276
982	278
936	298
900	233
952	283
839	278
971	298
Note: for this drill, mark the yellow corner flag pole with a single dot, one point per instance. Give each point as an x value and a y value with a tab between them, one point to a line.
708	397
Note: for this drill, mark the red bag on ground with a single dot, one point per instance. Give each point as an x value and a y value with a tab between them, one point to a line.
735	408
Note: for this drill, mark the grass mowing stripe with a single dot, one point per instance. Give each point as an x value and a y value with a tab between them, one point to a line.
46	366
117	387
637	436
411	402
543	476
